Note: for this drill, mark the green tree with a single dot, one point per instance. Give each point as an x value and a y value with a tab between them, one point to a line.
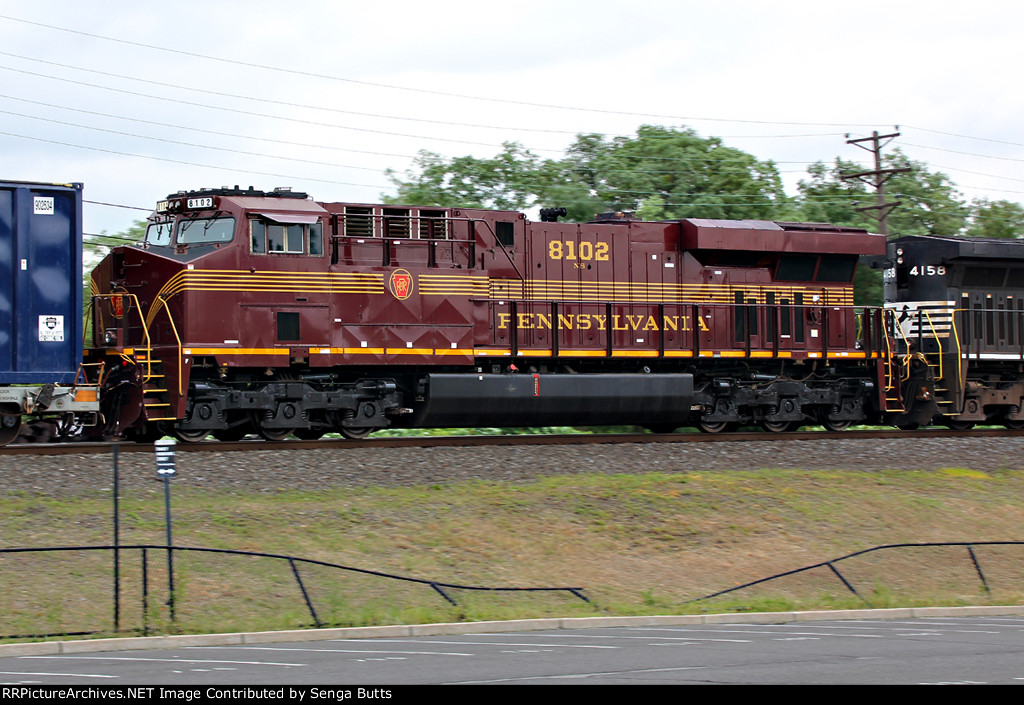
668	173
827	198
1001	219
508	181
662	172
929	202
96	247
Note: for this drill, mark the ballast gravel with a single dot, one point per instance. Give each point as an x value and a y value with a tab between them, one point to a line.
275	470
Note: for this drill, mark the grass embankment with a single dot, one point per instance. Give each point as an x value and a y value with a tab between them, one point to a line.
637	544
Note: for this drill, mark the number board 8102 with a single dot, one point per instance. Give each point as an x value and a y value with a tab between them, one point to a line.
583	250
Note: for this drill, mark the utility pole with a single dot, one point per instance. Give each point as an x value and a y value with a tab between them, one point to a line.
878	178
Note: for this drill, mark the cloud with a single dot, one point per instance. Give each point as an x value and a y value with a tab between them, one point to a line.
463	77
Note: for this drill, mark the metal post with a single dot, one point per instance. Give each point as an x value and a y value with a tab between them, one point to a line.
117	543
305	595
880	211
170	551
165	469
977	568
145	592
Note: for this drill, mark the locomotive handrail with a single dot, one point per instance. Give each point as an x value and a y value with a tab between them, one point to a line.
148	347
768	324
386	239
500	244
906	341
889	384
935	334
960	371
174	329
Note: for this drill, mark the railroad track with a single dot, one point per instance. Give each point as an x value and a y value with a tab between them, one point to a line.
470	441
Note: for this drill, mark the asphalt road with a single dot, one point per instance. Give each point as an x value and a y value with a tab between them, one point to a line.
960	650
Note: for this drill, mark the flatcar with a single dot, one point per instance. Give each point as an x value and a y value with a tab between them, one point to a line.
41	309
957	306
248	311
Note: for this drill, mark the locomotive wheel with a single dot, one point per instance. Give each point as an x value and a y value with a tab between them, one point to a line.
837	425
716	426
1011	425
10	425
189	436
269	434
780	426
355	433
274	434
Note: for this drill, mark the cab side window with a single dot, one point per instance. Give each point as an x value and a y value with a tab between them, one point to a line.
285	238
269	237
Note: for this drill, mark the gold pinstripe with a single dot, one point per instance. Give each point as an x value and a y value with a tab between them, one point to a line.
371	283
456	285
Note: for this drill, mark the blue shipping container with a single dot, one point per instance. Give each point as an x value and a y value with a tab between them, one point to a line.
40	282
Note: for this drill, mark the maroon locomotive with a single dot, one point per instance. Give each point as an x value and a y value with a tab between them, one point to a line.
248	311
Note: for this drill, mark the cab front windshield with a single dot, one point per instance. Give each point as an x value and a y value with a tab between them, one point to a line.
204	231
159	233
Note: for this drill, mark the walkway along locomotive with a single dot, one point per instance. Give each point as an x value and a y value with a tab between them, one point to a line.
250	311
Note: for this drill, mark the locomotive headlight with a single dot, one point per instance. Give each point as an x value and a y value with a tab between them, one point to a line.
899	250
899	260
109	337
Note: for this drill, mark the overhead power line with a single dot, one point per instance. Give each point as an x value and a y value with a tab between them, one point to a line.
507	101
698	159
966	154
289	143
186	163
117	205
504	128
966	137
241	112
304	106
192	144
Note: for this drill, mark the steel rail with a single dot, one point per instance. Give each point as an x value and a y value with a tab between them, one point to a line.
526	439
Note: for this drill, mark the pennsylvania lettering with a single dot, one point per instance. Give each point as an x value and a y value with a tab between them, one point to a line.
594	321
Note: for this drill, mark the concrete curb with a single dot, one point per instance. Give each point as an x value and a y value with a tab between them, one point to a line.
518	625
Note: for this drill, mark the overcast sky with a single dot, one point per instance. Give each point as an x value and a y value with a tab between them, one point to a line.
139	100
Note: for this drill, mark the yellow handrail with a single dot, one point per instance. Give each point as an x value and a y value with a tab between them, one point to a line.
906	341
959	361
935	334
174	329
147	346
